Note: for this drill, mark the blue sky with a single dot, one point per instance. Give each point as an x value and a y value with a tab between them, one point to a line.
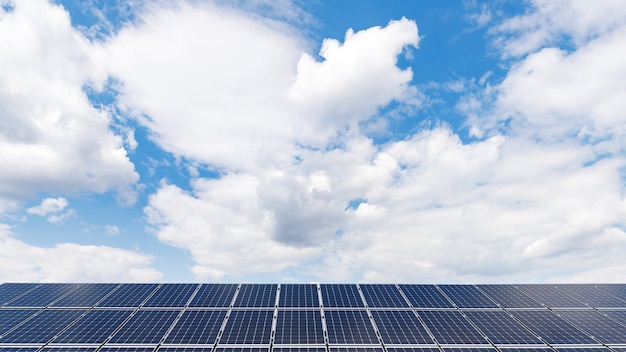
328	141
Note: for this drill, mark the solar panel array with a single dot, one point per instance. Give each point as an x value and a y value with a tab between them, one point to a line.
312	318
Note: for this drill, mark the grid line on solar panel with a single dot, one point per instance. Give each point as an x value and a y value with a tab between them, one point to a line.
298	349
401	327
18	349
465	349
256	295
299	327
42	295
185	349
356	349
341	295
10	318
349	327
412	349
214	295
248	327
509	296
617	315
126	349
500	328
145	326
69	349
171	295
128	296
11	291
242	349
197	327
42	327
85	295
551	296
551	328
595	324
450	327
425	296
383	296
467	296
95	327
526	349
298	295
617	290
593	296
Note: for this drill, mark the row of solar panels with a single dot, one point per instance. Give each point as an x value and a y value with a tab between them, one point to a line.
313	296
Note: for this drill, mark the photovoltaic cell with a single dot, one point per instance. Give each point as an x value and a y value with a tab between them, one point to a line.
128	295
214	295
341	295
126	349
242	349
299	327
383	296
299	349
171	295
349	327
256	295
582	349
42	327
617	290
464	349
593	296
596	325
12	290
551	296
248	327
466	296
69	349
450	327
425	296
412	349
617	315
18	349
146	326
501	328
197	327
356	349
508	296
95	327
401	327
85	295
526	349
552	328
11	317
298	295
42	295
185	349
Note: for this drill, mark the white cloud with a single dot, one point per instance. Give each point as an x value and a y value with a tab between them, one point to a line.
111	230
49	205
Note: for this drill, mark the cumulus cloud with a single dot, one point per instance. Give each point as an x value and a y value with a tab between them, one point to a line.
49	205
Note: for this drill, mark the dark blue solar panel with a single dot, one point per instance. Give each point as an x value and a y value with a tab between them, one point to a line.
356	349
526	349
596	325
401	327
341	295
11	291
128	295
383	296
256	295
449	327
95	327
349	327
18	349
551	296
593	296
583	349
248	327
412	349
617	290
171	295
425	296
617	315
197	327
302	295
242	349
42	295
299	349
214	295
185	349
299	327
508	296
85	295
42	327
147	326
11	317
467	349
68	349
501	328
466	296
552	328
126	349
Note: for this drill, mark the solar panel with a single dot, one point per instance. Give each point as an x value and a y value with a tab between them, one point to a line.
42	295
425	296
248	327
126	349
68	349
552	328
302	327
383	296
593	296
595	324
449	327
42	327
508	296
356	349
465	349
412	349
85	295
341	295
582	349
617	315
349	327
185	349
171	295
197	327
401	327
12	290
214	295
466	296
617	290
128	295
242	349
299	349
90	329
11	317
551	296
256	295
18	349
146	326
526	349
302	295
500	328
